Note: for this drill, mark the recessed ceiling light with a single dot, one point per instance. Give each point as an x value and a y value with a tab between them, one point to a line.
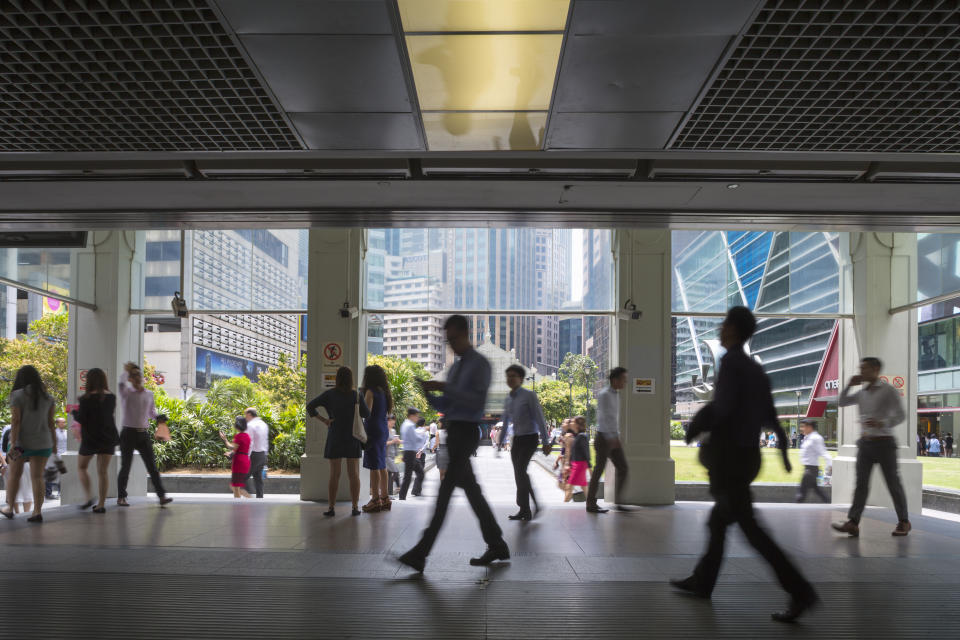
733	185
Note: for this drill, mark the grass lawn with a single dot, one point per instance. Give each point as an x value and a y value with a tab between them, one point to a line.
939	472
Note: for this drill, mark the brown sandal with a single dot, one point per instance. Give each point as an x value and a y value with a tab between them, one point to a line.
385	504
371	507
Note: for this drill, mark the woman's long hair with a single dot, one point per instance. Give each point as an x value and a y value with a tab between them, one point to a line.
96	382
344	379
28	378
375	379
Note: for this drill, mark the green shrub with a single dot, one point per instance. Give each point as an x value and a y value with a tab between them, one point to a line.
676	430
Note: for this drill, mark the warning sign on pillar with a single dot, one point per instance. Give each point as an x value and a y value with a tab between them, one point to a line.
899	383
644	386
332	355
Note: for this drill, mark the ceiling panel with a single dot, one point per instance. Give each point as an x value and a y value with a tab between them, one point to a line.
618	131
375	131
308	16
128	75
857	76
331	73
625	73
661	17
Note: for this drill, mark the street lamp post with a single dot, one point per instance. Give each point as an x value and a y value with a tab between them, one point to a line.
533	378
570	381
798	413
184	387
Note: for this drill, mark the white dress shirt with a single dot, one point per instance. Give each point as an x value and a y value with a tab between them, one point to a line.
812	449
137	408
608	413
259	435
522	412
879	402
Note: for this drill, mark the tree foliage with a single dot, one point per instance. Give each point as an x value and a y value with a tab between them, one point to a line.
402	376
285	383
579	368
45	347
554	396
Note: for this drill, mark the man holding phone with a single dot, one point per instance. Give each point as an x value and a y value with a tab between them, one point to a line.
137	409
462	400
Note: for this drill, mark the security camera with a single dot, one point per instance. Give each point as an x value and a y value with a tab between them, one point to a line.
629	311
348	312
179	305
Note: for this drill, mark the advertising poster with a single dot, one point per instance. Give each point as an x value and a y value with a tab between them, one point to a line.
213	366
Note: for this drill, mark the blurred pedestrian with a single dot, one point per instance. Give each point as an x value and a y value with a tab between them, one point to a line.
413	444
98	436
137	409
810	453
239	452
259	433
607	443
393	450
523	414
31	439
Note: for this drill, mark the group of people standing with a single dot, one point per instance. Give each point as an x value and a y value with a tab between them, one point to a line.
934	446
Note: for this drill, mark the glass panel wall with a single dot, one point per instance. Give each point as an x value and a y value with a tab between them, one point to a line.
47	269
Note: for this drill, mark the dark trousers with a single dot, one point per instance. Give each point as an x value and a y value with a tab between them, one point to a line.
140	440
393	480
411	464
603	453
258	460
730	480
809	482
521	452
882	451
462	441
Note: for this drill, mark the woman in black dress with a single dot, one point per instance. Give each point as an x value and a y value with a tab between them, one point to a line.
339	404
98	435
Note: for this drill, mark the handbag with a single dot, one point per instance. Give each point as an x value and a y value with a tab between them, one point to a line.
358	431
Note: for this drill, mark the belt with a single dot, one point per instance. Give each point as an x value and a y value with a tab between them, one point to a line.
878	438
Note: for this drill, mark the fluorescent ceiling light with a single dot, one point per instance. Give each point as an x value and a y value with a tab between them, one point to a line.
490	131
483	15
484	69
484	72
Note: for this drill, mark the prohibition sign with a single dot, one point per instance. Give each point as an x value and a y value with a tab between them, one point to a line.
332	352
898	382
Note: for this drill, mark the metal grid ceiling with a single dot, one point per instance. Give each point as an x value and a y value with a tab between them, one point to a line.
837	75
128	75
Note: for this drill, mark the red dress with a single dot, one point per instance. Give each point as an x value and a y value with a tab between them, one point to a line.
241	460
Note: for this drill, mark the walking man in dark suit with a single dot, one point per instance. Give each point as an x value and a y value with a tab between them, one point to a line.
741	407
463	403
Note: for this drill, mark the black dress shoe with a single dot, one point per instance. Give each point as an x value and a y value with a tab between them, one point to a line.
526	517
596	509
36	518
413	560
86	505
796	608
689	587
165	500
492	554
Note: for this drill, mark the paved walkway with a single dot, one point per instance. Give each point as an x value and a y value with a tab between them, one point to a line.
211	567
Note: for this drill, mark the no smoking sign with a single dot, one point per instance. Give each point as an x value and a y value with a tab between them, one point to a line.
332	353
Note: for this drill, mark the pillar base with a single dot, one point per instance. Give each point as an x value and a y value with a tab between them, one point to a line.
315	475
845	481
651	481
71	492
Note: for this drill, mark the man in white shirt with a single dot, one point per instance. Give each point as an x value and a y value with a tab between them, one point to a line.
811	450
259	447
880	412
607	441
414	440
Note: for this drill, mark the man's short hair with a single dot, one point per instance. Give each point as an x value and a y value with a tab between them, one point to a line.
251	412
457	323
517	369
809	421
616	372
872	362
412	411
742	321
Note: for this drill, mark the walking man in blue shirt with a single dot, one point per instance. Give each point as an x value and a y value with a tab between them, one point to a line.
463	399
522	409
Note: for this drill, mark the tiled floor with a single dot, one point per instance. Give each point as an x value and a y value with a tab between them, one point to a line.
565	553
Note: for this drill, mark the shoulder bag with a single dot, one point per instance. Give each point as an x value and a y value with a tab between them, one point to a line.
358	431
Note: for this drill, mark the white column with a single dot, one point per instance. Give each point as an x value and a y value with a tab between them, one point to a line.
642	266
108	272
335	276
882	274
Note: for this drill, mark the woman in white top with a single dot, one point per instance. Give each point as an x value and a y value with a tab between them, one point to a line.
32	437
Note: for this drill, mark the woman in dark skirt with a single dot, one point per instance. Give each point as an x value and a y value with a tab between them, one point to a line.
376	395
98	435
338	404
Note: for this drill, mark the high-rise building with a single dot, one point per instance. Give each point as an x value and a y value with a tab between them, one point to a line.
223	270
597	292
553	289
416	336
776	272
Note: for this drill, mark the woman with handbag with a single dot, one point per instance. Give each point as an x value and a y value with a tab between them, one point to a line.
377	397
238	450
98	435
32	437
343	409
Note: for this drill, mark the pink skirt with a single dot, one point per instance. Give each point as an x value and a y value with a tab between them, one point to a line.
578	473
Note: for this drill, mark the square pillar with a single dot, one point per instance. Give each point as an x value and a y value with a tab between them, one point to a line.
642	263
880	273
108	272
335	276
